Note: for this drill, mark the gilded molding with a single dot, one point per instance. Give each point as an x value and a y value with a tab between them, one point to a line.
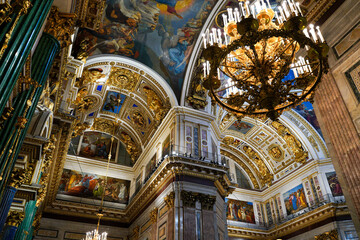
123	78
105	125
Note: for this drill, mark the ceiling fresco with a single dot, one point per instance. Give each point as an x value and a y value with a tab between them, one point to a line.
120	100
158	33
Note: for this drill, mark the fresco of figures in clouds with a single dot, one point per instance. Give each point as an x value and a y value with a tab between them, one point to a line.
161	34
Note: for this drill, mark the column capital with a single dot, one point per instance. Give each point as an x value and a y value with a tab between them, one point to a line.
170	199
154	215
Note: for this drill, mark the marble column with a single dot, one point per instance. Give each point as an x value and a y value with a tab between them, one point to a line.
26	29
342	140
13	221
42	60
25	227
5	204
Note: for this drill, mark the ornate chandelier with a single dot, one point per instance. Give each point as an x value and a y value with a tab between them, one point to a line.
253	65
94	235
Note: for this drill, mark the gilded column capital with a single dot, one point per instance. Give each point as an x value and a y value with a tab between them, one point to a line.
154	215
61	26
189	198
207	201
170	200
15	218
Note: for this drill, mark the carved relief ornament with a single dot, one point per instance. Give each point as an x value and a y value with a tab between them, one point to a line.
292	142
61	26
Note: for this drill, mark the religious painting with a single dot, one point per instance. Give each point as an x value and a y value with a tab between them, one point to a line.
97	145
113	102
166	147
240	211
92	186
161	34
150	166
334	184
241	126
295	199
138	183
306	110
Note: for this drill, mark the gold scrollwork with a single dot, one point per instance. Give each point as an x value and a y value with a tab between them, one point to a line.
123	78
20	176
131	147
79	128
155	104
292	142
15	218
87	103
61	26
89	76
265	176
104	125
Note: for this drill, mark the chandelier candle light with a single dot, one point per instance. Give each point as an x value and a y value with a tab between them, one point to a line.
253	64
94	235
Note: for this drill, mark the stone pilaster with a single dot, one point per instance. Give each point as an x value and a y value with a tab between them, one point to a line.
342	140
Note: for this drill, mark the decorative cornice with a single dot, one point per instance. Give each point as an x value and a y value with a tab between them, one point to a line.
165	174
324	212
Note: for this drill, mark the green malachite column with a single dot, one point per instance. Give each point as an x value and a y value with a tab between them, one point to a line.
25	105
21	42
25	228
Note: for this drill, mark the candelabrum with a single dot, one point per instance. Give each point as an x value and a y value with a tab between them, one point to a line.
264	59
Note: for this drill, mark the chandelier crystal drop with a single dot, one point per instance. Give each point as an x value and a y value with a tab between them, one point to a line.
94	235
263	61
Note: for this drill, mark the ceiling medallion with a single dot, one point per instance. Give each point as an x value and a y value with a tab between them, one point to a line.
253	66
